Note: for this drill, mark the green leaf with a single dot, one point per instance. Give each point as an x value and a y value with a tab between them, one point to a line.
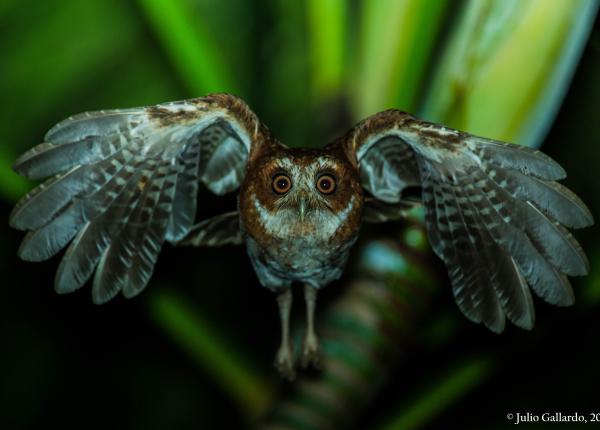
396	40
285	77
189	45
442	393
63	52
591	292
212	349
327	26
507	66
12	186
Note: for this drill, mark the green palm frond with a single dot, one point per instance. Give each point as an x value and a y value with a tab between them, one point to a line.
190	47
507	66
395	43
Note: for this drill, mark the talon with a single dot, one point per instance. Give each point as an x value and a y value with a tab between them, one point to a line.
284	363
311	352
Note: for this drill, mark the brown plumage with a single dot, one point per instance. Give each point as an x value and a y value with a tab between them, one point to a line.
123	182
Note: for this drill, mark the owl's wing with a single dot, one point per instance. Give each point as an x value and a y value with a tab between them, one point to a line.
219	230
124	181
494	212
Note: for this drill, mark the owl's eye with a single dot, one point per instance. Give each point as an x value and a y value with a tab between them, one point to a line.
326	184
281	184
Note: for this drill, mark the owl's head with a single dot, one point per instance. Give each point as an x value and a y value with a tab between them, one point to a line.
291	192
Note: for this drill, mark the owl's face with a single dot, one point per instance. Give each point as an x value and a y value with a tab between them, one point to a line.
291	193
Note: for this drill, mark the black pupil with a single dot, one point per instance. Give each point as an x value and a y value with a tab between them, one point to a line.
325	184
282	183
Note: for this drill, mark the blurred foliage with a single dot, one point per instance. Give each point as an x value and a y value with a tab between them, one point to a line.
441	393
206	344
327	21
398	355
475	86
395	45
191	48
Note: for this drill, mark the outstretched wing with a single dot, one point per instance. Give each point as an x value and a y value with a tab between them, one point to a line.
494	213
124	181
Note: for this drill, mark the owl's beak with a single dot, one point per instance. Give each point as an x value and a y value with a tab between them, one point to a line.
302	205
305	205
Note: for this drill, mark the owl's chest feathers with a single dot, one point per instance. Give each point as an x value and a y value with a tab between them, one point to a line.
314	250
279	262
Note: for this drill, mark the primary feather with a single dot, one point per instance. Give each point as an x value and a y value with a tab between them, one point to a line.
123	182
493	212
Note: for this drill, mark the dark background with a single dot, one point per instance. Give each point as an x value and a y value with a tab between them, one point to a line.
66	362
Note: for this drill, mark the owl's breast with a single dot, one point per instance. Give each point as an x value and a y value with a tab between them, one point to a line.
282	263
313	249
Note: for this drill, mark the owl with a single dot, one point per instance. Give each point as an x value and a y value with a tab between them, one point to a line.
124	182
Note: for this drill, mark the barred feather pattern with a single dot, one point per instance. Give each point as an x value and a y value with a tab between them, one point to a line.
219	230
387	169
493	244
493	212
125	181
182	215
376	211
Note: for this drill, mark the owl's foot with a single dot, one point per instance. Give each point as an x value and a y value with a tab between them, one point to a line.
311	351
284	362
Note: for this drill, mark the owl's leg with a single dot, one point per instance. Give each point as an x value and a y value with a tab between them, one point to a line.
284	360
311	353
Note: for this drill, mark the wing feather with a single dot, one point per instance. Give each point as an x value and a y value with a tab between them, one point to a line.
528	161
42	244
114	122
509	286
224	166
493	212
378	211
220	230
41	204
112	274
387	169
186	194
48	200
545	280
481	260
124	181
107	211
458	252
553	199
150	239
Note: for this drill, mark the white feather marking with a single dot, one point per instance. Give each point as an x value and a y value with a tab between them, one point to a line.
285	223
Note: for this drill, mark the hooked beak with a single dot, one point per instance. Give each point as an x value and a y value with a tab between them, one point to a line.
302	205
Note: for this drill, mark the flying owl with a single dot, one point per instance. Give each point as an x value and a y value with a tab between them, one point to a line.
122	182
